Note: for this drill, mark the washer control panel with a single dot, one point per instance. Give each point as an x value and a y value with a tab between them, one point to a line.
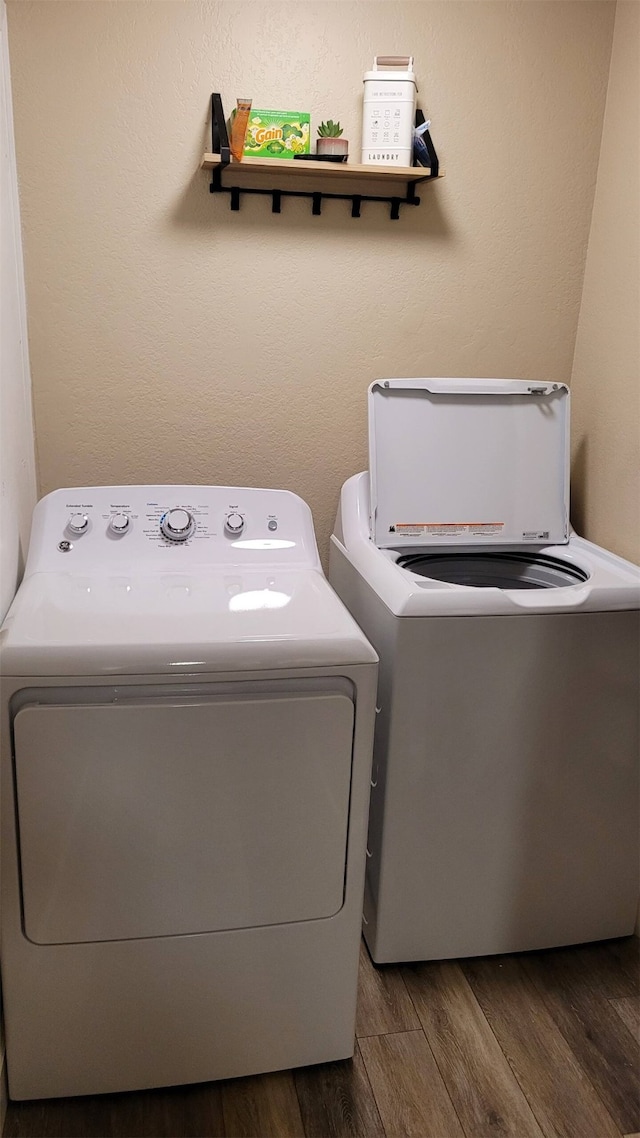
182	527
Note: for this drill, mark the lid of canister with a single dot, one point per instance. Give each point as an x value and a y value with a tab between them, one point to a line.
403	64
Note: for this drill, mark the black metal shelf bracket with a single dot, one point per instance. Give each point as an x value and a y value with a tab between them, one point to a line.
220	145
219	136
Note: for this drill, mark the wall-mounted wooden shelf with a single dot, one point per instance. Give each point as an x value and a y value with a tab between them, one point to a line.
236	178
338	171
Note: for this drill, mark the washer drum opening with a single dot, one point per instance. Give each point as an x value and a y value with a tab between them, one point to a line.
495	570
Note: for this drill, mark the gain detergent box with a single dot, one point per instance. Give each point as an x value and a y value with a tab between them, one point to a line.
277	134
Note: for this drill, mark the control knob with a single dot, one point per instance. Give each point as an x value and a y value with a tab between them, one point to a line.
234	523
119	523
177	525
78	523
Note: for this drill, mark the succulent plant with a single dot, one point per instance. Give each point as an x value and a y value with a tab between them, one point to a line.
329	129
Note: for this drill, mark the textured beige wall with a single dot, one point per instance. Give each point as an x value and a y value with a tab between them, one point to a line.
17	462
606	371
172	340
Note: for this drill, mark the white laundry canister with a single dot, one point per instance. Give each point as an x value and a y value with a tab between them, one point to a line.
388	111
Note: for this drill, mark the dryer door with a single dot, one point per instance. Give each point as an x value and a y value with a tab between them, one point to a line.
169	816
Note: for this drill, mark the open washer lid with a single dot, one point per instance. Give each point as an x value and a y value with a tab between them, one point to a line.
468	462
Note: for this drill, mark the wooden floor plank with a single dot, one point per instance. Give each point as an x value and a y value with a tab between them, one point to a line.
60	1118
384	1004
486	1095
336	1100
626	954
596	1034
557	1089
628	1008
408	1088
190	1112
187	1112
611	966
264	1106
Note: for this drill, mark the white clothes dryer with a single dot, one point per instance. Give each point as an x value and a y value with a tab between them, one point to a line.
504	808
187	715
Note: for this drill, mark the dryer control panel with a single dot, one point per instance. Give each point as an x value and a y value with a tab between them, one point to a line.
175	527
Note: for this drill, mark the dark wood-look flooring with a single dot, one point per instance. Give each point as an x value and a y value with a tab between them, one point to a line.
536	1045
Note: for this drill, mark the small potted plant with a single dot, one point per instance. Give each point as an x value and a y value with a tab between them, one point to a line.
329	143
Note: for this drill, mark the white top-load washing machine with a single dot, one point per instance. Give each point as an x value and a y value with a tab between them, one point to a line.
504	808
187	714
